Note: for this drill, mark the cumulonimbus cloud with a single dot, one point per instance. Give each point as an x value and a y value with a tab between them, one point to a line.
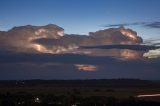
51	39
41	52
115	42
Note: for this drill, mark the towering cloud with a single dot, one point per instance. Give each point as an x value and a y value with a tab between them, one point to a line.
51	39
46	50
117	36
20	39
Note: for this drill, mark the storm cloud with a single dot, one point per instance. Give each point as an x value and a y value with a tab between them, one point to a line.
45	52
51	39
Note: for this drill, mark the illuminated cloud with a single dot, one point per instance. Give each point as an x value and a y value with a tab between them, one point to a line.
85	67
20	39
152	53
115	42
120	43
51	39
119	35
120	51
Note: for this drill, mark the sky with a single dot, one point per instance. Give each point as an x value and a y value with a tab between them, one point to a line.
81	16
49	39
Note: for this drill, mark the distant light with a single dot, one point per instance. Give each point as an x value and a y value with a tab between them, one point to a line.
37	100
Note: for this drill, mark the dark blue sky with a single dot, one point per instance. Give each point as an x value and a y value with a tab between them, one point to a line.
81	16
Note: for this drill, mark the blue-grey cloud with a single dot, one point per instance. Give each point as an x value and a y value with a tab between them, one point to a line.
58	58
126	24
130	47
154	24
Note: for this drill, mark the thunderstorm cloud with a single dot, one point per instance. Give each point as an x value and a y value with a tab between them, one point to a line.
46	52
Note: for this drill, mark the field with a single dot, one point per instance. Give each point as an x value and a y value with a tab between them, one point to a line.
67	92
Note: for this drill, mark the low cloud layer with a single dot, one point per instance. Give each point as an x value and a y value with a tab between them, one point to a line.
75	66
130	47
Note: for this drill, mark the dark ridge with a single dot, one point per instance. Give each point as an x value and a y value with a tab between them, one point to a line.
81	83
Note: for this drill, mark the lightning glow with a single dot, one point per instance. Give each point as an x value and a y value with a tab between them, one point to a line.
129	34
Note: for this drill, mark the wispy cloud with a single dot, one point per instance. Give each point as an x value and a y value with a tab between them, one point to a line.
125	24
154	24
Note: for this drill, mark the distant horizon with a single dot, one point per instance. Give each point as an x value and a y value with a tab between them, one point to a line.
136	79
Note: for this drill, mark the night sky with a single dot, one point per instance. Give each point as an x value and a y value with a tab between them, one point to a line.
50	39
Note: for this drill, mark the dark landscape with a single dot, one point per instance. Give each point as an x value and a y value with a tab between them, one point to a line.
104	92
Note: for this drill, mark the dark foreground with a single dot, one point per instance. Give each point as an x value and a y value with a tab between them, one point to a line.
115	92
